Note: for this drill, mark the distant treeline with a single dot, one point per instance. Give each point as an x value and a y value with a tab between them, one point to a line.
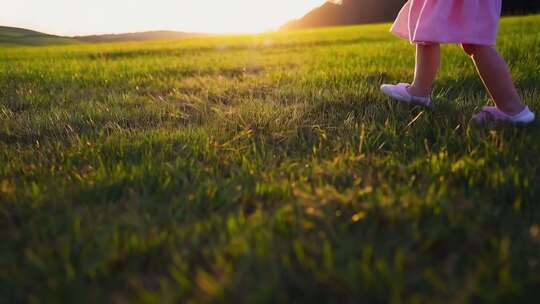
521	6
372	11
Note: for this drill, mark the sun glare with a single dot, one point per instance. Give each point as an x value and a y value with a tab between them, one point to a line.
80	17
245	15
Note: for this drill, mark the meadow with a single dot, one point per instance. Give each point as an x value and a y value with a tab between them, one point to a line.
264	169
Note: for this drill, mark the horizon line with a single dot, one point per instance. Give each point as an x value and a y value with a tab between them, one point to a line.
84	34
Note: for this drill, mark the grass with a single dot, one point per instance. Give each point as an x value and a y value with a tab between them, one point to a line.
264	169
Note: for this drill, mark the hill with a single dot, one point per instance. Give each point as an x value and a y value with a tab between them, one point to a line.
372	11
19	36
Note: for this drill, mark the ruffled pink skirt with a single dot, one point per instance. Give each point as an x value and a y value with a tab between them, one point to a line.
449	21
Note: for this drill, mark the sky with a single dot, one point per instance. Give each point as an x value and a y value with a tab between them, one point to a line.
86	17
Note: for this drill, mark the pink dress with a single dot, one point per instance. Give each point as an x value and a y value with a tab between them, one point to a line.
449	21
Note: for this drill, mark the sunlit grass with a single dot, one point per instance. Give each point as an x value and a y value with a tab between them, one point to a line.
263	168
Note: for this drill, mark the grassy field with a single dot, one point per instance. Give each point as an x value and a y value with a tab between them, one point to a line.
264	169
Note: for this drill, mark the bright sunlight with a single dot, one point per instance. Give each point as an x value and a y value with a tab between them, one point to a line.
81	17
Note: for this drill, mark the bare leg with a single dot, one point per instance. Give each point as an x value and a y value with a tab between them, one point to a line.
496	77
428	60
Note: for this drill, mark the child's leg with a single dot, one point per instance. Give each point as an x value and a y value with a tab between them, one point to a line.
428	60
496	77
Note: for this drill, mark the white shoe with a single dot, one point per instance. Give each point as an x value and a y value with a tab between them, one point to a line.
488	114
400	92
